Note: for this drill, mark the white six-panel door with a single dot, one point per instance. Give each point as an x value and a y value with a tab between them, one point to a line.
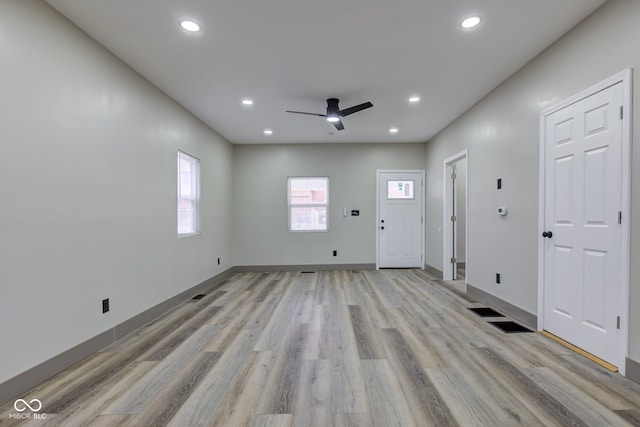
400	227
582	236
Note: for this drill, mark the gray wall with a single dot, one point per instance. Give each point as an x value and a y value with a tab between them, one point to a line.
502	135
88	195
260	172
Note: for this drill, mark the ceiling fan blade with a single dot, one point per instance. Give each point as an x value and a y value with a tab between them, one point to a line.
338	125
355	109
309	114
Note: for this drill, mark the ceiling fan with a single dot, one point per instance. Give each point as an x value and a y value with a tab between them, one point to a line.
335	114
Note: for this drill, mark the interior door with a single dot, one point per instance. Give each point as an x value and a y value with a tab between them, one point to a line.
582	248
454	224
400	219
454	215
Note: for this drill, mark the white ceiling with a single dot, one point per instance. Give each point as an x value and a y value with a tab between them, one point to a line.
294	54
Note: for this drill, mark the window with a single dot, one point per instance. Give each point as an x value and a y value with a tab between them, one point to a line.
188	194
308	203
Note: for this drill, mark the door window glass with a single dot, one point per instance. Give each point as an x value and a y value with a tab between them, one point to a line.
400	189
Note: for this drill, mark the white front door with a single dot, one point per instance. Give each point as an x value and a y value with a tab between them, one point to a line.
400	219
582	236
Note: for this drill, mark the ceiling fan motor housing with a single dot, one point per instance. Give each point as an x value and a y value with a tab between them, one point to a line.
332	107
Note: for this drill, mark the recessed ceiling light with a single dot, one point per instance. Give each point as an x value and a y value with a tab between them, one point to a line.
471	22
393	130
268	132
247	101
191	26
414	99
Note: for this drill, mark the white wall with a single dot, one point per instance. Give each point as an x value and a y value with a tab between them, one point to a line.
260	172
502	135
88	194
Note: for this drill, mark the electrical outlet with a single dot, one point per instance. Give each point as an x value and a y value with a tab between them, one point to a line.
335	253
498	278
105	305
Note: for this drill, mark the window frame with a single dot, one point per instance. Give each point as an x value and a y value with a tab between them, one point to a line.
194	199
291	205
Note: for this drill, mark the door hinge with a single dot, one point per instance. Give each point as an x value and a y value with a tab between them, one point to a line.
621	112
453	176
453	261
619	217
618	322
453	218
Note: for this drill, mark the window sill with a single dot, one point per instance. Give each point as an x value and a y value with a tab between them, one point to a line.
188	235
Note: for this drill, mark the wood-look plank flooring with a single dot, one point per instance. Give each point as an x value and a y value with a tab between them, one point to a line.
332	348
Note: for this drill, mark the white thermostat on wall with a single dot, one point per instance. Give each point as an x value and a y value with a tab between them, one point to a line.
502	210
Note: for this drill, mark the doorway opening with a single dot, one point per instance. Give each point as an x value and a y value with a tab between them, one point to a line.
455	218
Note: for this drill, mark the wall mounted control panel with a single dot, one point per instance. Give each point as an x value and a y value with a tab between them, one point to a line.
502	210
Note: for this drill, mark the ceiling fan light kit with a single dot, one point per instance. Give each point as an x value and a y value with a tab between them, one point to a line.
334	114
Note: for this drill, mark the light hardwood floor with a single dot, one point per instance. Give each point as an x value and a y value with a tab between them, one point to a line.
333	348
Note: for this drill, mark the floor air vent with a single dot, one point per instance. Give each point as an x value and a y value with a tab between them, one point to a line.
510	327
199	296
308	272
486	312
